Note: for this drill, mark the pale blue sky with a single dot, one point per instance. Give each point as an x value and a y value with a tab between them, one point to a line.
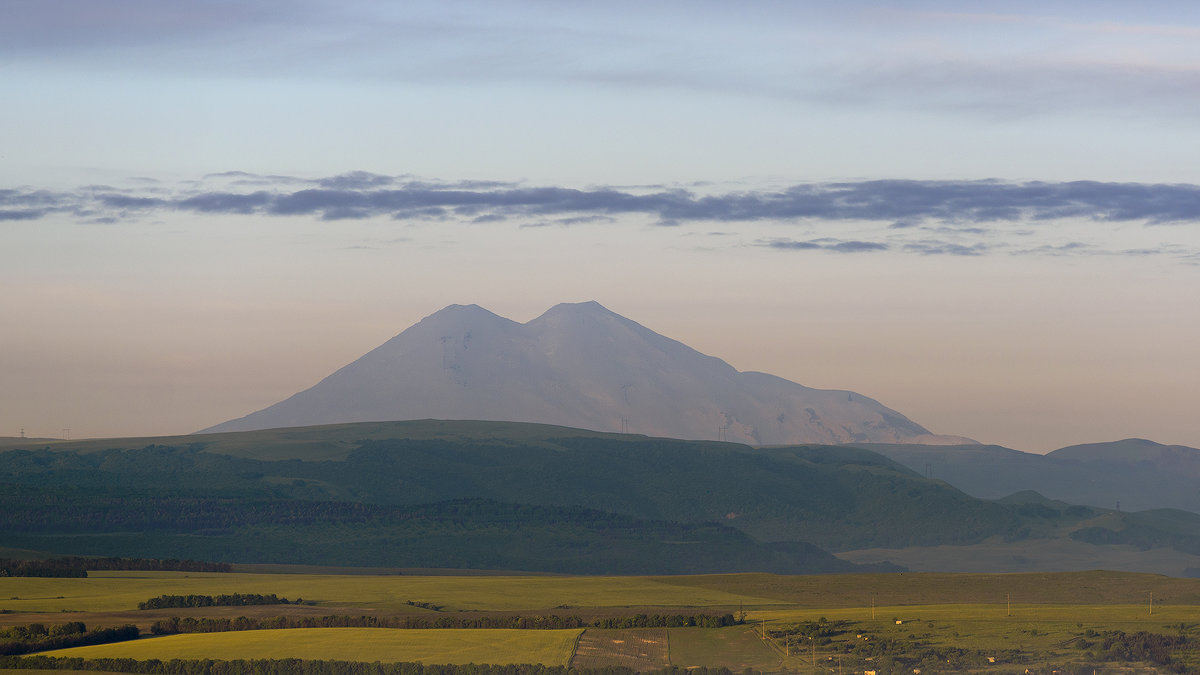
986	216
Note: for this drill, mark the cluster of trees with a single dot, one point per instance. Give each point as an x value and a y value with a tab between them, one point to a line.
1144	646
36	637
224	600
822	630
40	568
190	624
301	667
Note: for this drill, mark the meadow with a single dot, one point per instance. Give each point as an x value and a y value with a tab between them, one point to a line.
888	622
549	647
116	591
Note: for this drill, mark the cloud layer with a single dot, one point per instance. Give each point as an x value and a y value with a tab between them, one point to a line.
900	202
921	217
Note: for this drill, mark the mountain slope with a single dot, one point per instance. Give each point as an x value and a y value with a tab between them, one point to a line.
578	365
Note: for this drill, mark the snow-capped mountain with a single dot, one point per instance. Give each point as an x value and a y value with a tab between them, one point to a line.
579	365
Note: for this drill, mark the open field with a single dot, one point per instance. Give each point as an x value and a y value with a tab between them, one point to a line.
638	648
114	591
117	591
550	647
1022	620
736	648
861	590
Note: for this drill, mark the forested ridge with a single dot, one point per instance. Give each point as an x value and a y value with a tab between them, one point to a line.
525	497
77	567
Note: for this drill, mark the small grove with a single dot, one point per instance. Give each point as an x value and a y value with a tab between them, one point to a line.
224	600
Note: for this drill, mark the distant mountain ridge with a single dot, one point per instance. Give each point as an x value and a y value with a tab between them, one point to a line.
580	365
1133	474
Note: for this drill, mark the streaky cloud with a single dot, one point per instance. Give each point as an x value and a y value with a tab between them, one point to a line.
929	247
225	202
903	204
825	244
21	214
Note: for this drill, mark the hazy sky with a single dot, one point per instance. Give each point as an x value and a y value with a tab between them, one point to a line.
987	220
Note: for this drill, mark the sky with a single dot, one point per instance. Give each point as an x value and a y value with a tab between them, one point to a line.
985	216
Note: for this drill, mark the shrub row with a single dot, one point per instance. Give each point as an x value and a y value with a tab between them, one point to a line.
176	624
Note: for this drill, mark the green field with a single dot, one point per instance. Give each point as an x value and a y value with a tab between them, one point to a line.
1022	620
115	591
550	647
736	648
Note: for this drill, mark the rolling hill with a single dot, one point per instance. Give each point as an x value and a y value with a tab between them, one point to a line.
511	496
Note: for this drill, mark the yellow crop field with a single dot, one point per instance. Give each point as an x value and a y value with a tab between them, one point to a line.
115	591
549	647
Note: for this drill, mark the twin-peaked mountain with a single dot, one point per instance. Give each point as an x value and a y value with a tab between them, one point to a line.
579	365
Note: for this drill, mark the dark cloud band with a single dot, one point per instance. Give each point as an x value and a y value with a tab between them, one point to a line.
903	203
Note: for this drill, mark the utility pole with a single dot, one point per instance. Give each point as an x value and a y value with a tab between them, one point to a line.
1008	596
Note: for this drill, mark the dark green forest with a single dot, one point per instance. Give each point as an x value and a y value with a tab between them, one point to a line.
496	496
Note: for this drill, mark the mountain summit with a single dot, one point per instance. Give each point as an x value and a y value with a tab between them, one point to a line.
579	365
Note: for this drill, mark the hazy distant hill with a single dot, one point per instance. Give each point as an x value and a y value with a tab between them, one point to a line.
477	494
1136	473
521	496
579	365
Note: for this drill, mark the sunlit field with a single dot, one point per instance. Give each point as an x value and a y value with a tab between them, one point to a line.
549	647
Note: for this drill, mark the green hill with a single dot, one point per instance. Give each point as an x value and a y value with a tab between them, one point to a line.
484	494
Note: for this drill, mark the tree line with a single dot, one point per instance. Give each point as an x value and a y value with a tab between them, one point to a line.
224	600
303	667
77	566
36	637
175	624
